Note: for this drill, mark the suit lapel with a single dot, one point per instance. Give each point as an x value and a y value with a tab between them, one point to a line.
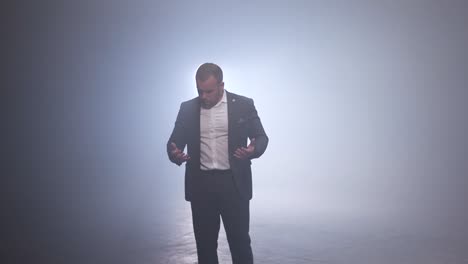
196	132
230	105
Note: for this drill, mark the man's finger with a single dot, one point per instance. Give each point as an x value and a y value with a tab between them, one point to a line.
249	149
247	152
175	152
242	151
173	146
238	152
180	155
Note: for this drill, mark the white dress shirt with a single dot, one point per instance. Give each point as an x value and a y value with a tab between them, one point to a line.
214	136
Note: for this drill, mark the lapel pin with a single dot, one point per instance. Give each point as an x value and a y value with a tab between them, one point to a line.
233	100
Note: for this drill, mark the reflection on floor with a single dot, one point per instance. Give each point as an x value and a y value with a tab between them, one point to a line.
279	239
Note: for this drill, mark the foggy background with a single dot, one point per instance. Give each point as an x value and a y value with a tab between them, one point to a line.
364	103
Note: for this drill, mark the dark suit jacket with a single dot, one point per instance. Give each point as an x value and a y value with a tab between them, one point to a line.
243	122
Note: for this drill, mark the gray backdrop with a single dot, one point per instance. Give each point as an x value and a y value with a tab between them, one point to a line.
364	103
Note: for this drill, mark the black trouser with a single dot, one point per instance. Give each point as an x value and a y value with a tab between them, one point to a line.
215	195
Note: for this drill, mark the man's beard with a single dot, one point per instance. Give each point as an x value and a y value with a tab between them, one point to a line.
208	105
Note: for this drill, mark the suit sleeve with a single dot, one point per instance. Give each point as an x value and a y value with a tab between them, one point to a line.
178	135
255	130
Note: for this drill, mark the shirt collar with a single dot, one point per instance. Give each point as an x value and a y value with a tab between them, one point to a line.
223	99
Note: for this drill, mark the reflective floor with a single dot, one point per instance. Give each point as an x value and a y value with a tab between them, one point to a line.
277	238
280	235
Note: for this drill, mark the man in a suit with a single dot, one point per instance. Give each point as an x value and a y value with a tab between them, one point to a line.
215	127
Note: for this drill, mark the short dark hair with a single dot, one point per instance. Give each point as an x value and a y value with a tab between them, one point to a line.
209	69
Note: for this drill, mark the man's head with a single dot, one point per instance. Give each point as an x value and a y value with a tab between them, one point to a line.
210	85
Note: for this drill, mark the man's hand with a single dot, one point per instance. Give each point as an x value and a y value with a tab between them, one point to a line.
177	155
244	153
